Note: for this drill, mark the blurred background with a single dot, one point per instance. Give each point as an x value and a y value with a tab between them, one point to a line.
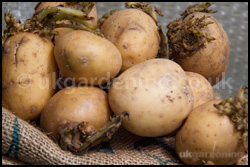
233	16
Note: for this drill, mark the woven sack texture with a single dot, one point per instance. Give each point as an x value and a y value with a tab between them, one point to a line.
22	141
11	161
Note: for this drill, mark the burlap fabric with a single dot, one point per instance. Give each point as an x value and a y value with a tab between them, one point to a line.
26	143
11	161
22	143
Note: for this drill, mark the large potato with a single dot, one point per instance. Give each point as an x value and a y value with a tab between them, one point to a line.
209	137
28	68
76	104
134	33
212	60
201	88
156	94
87	58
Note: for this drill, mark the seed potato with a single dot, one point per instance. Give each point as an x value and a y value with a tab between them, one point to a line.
201	88
62	31
207	133
28	69
76	104
134	33
157	96
87	58
212	60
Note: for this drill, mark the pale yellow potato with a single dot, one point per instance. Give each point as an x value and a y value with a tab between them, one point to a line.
76	104
157	96
29	73
134	33
212	60
201	88
62	31
207	136
87	58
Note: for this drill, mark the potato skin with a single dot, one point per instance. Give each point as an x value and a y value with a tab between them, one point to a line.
157	96
201	88
211	61
62	31
134	33
28	69
87	58
4	105
208	131
76	104
43	5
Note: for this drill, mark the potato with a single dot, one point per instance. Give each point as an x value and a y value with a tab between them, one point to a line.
209	137
134	33
28	72
62	31
212	60
5	105
217	96
201	88
87	58
157	96
76	104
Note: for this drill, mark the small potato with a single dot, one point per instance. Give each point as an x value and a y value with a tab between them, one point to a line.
209	137
157	96
29	73
76	104
201	88
212	60
87	58
134	33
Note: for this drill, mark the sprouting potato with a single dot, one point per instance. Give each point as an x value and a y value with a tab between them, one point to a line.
79	118
215	132
201	88
203	47
61	31
157	96
28	72
76	104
